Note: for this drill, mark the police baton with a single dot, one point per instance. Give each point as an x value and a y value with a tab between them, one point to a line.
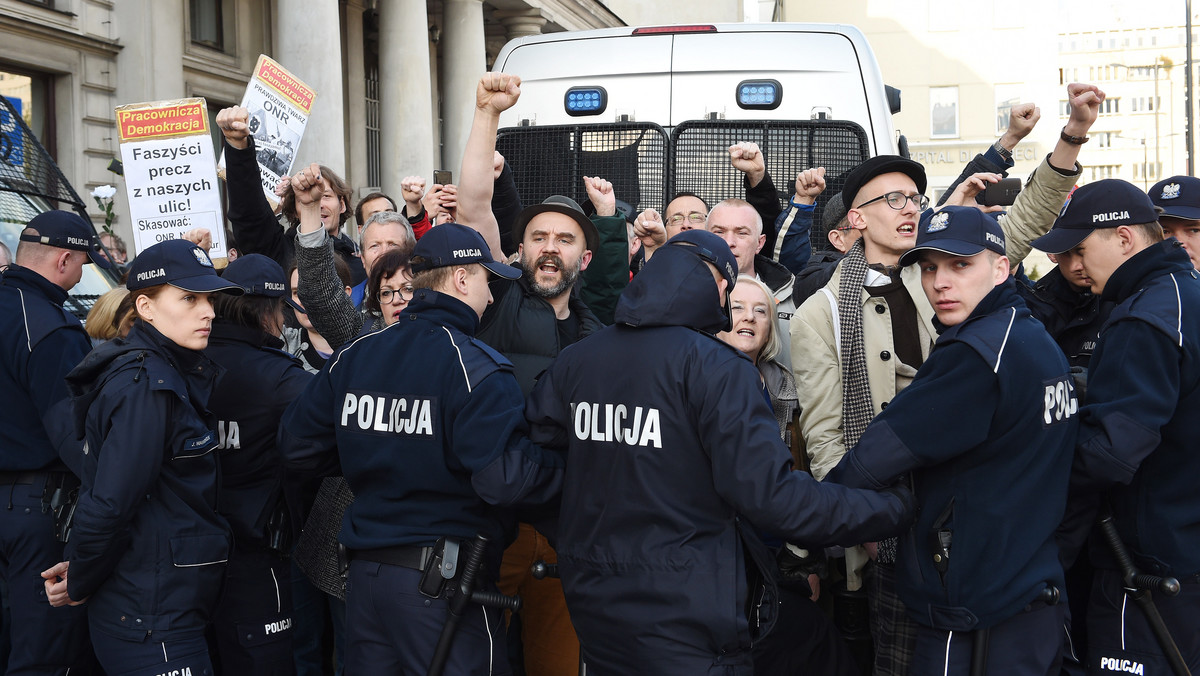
1137	587
458	603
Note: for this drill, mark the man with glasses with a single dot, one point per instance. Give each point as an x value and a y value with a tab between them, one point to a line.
860	341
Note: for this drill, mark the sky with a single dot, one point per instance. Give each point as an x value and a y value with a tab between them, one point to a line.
1087	15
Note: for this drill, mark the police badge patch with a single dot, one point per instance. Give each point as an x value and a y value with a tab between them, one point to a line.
201	257
1170	191
938	222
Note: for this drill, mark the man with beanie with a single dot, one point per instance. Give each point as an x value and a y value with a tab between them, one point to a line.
987	429
669	478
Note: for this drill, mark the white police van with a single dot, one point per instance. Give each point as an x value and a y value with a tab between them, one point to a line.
673	98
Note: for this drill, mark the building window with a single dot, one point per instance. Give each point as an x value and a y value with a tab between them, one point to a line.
943	112
207	23
1064	109
1110	106
31	94
371	69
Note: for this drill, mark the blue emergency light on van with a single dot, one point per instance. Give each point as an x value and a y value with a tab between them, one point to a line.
585	101
759	94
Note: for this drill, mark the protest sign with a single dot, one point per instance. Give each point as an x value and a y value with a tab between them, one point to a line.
170	176
278	104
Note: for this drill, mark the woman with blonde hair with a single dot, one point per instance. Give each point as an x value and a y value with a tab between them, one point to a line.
104	319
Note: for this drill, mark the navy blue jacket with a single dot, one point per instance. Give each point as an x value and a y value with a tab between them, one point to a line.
987	428
147	545
40	343
428	423
1140	425
1072	318
260	381
665	455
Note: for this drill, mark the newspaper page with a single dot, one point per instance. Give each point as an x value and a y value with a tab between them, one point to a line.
279	104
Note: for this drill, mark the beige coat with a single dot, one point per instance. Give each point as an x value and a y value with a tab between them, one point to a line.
816	352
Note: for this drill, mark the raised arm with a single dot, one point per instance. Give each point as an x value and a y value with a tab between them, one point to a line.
495	93
253	220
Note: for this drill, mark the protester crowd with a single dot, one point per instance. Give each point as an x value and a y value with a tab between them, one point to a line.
689	440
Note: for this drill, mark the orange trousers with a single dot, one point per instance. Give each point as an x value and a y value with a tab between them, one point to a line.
547	635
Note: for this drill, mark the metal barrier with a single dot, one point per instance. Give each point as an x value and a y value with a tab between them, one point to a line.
553	161
700	157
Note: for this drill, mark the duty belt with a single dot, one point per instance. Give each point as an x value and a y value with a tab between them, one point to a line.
405	556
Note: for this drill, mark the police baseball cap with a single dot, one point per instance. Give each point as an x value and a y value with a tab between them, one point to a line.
559	205
958	231
454	244
181	264
1178	197
1103	204
711	249
66	230
259	276
878	166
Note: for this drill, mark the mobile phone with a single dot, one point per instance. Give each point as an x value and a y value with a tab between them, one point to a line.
443	177
1000	194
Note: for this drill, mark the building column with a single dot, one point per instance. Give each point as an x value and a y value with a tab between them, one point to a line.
308	39
463	61
519	23
356	103
405	125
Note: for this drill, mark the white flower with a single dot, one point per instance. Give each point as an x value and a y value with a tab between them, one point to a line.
104	192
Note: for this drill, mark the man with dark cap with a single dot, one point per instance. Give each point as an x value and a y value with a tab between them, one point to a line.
40	342
666	477
859	342
1138	428
1179	199
999	400
434	448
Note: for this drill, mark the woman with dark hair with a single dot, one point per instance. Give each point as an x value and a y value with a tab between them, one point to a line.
253	618
389	288
147	549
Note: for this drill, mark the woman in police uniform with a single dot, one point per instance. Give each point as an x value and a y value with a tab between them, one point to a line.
147	550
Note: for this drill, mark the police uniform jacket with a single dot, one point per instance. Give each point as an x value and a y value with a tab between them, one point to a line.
1072	318
39	343
260	381
987	428
429	427
147	546
663	463
1140	425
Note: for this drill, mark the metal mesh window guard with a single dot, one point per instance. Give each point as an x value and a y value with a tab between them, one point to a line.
700	157
26	167
553	161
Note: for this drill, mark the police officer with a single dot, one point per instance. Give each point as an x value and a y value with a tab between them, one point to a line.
252	623
429	427
1179	199
986	428
660	486
1138	428
39	343
147	550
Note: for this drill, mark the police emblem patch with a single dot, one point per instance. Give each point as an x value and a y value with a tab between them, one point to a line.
201	257
938	222
1170	191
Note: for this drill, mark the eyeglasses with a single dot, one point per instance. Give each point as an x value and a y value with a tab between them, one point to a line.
695	218
385	295
897	200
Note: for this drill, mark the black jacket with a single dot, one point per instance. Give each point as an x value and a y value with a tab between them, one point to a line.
260	381
522	326
666	456
39	343
1072	318
147	545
